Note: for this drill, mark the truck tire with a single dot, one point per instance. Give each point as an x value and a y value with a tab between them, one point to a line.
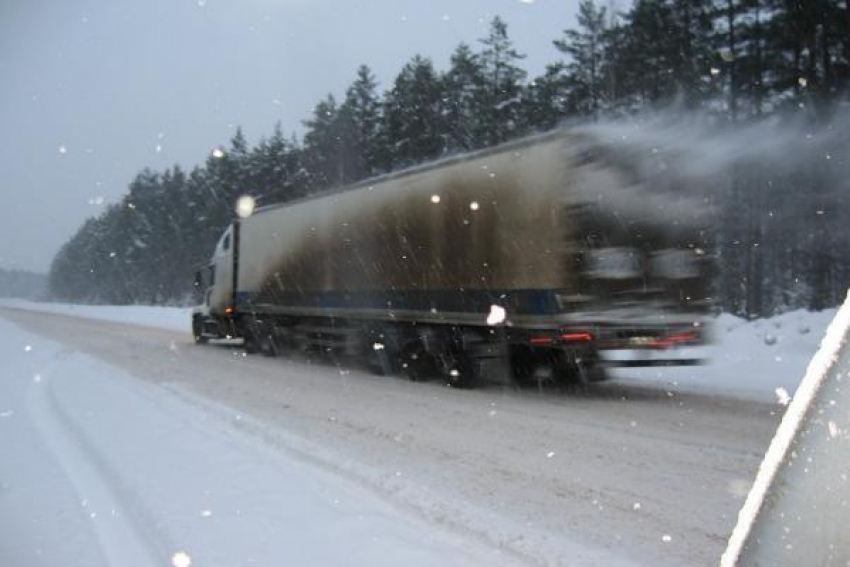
384	362
198	331
250	341
523	364
578	368
270	346
463	371
417	364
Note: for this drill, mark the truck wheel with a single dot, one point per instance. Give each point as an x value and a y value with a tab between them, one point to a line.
417	364
463	371
383	362
198	331
251	343
523	364
270	347
578	368
596	373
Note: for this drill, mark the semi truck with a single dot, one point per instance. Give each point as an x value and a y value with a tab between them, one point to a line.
542	254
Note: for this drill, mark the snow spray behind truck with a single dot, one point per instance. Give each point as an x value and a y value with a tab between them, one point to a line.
540	253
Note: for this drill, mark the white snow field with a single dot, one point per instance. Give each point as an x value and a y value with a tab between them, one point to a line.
171	318
100	469
123	443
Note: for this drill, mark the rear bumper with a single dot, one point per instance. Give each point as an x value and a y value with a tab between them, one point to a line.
680	344
643	343
684	356
650	337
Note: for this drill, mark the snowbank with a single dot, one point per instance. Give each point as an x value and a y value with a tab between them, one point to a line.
762	360
171	318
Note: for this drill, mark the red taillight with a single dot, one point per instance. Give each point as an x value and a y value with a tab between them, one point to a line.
686	337
565	337
577	337
683	337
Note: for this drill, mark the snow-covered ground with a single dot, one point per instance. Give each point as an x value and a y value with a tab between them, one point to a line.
171	318
98	468
761	360
139	420
748	359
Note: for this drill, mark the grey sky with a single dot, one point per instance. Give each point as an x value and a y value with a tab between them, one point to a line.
95	90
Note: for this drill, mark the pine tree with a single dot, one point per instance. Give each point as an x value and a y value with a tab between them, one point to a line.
322	146
414	122
466	99
619	81
360	123
670	46
739	63
808	43
504	79
692	43
586	48
277	169
546	99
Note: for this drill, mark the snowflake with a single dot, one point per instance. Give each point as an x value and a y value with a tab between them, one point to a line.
497	315
782	396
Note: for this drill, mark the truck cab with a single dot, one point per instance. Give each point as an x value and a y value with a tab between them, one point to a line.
213	316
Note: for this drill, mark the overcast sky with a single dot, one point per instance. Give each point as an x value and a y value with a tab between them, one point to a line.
95	90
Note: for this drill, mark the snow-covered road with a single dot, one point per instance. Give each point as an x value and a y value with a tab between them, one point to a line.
102	469
233	459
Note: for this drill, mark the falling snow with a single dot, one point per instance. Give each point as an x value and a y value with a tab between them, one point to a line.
497	315
782	396
181	559
834	431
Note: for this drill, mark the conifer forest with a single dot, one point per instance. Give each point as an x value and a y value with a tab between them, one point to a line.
739	69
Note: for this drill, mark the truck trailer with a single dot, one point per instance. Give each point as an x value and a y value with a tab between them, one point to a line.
541	253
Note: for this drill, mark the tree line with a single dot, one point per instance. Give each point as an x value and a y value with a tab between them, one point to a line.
779	232
23	284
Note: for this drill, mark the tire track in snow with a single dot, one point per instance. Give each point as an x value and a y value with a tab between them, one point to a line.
112	440
124	530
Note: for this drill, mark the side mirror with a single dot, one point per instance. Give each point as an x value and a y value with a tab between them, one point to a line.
198	287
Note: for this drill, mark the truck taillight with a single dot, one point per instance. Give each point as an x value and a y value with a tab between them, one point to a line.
564	337
683	337
672	340
573	337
